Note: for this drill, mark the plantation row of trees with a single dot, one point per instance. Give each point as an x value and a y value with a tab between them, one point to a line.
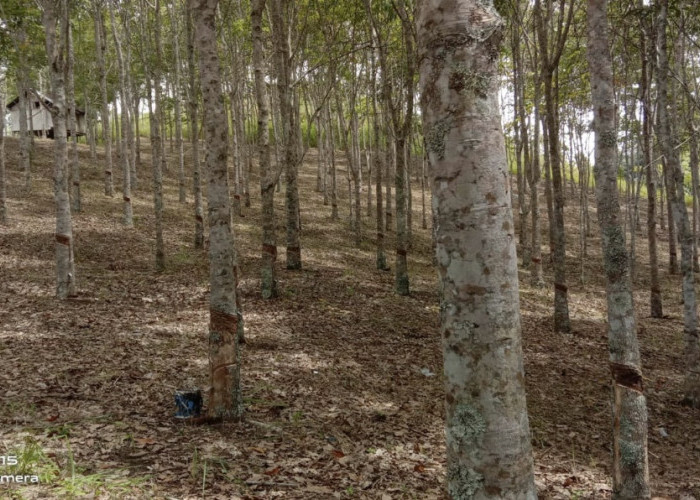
240	82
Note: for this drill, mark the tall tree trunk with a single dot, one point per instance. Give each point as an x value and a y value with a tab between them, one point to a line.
237	167
630	460
332	171
123	150
403	134
676	194
268	282
23	106
132	104
378	168
550	56
3	179
693	161
536	273
423	182
55	20
401	281
136	115
226	321
280	11
72	125
561	296
389	165
548	187
182	183
353	166
655	302
520	136
157	139
489	454
194	135
101	47
672	238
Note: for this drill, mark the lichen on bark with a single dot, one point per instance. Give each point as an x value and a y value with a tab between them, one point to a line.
435	138
463	482
466	426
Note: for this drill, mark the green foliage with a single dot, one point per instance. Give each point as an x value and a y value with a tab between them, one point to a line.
32	461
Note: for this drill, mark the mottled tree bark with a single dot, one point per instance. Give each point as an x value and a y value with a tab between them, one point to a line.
123	150
522	147
55	20
194	136
676	194
182	184
378	168
280	11
655	302
489	455
101	47
672	238
550	57
354	167
268	179
157	139
3	179
23	107
536	273
630	460
331	160
226	321
72	125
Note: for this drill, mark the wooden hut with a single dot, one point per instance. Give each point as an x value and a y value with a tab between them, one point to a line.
41	123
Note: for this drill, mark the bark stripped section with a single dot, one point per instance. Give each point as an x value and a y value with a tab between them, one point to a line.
225	327
630	463
55	20
489	453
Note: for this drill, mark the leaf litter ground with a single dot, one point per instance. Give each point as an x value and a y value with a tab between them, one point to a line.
341	377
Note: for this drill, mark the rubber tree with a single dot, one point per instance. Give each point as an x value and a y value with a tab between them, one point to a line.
489	454
55	18
268	175
225	319
676	193
630	459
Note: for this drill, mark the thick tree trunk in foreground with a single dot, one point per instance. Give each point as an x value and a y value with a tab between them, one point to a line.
268	282
226	321
55	20
630	461
676	195
489	455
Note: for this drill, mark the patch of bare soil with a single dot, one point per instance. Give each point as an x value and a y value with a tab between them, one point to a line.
342	377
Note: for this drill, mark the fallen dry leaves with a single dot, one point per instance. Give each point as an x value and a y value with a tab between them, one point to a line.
342	378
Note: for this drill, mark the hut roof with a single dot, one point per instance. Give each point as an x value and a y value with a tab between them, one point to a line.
47	101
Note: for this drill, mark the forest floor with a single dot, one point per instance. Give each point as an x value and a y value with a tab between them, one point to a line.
342	378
